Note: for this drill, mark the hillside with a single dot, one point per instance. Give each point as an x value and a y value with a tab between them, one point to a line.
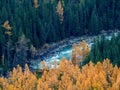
31	30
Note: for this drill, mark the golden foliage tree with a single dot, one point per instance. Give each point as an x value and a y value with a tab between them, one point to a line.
8	28
60	10
19	80
102	76
79	52
8	32
36	5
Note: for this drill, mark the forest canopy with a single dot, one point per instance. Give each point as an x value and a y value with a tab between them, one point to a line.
102	76
27	25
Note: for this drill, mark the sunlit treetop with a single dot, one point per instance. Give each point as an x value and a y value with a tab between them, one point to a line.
6	25
60	11
102	76
36	5
8	28
79	52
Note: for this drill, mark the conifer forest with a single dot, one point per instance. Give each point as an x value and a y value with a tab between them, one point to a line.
59	44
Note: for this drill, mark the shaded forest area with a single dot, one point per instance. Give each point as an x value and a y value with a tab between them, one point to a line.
37	22
104	48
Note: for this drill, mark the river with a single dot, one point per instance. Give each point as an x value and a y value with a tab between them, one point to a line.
67	50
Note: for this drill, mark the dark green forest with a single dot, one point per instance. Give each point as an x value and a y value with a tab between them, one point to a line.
34	27
104	48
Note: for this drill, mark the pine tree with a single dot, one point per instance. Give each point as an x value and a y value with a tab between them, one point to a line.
20	56
93	24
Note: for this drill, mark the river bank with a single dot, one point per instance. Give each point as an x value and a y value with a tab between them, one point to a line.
56	48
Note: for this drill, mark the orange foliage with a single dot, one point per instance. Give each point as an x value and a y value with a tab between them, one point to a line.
102	76
6	25
60	10
36	5
8	28
79	52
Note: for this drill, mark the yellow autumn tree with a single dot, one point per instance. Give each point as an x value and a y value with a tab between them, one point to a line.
79	52
19	80
36	5
60	10
8	28
102	76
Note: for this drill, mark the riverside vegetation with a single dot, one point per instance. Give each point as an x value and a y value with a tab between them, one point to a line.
25	26
102	76
67	76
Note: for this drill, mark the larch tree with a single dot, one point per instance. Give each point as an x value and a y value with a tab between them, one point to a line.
36	5
66	77
79	52
60	10
8	32
7	26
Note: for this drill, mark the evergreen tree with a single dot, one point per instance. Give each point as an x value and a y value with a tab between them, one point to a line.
93	24
21	48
